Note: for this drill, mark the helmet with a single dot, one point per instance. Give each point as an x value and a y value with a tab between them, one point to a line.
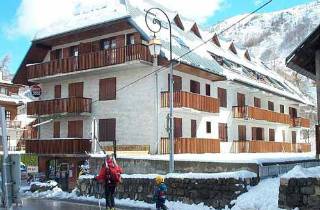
159	179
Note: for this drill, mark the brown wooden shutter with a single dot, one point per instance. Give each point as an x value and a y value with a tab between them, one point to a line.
193	128
57	91
66	52
270	106
257	133
223	132
208	127
283	135
56	129
194	87
242	135
177	83
75	129
294	137
96	46
222	96
177	122
254	133
257	102
85	48
292	112
208	90
107	89
241	98
107	129
271	135
281	108
76	89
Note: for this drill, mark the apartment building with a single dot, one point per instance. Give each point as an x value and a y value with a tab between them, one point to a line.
95	72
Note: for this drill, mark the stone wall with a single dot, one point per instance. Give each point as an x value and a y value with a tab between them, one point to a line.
217	192
303	193
144	166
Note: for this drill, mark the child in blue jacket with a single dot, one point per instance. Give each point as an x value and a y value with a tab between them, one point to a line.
160	193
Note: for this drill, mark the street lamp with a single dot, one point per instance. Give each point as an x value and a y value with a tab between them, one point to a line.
154	47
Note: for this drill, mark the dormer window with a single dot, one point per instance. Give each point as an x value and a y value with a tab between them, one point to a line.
215	40
178	22
247	55
195	30
232	48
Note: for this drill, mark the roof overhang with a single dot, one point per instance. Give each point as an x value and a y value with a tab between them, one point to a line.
302	59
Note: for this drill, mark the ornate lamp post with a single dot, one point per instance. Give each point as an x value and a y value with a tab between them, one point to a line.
154	47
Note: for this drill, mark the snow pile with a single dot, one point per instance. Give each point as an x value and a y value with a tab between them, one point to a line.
49	183
300	172
87	176
236	175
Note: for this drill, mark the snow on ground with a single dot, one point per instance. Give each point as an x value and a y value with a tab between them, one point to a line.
258	158
300	172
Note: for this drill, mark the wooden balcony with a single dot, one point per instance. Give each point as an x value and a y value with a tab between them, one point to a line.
300	122
249	112
268	146
190	145
89	61
191	100
58	146
73	105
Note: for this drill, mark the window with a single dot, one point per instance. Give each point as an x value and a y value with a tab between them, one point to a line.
108	43
8	115
177	123
281	108
257	102
271	135
56	54
223	132
283	135
270	106
294	137
75	129
222	96
208	91
107	89
76	89
241	99
194	87
193	128
130	39
293	112
57	91
4	91
74	51
107	129
257	133
177	83
242	133
56	129
208	127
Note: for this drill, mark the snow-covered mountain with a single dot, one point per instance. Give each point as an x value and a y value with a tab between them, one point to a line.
272	36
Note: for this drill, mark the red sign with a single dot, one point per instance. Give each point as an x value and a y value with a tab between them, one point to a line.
36	90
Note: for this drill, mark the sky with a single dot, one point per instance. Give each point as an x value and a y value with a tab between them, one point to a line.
21	19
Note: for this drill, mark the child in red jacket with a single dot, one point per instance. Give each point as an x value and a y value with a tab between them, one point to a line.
110	173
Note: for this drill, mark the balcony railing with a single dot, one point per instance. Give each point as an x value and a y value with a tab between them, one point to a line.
249	112
268	146
58	146
89	61
190	145
75	105
300	122
191	100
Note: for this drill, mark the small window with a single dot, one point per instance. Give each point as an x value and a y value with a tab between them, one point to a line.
107	89
208	127
177	127
271	134
281	108
257	102
283	135
270	106
193	128
294	137
113	43
74	51
222	96
105	44
208	91
130	39
194	87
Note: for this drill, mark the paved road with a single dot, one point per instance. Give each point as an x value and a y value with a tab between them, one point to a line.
43	204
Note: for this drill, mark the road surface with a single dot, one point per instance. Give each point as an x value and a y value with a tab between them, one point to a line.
44	204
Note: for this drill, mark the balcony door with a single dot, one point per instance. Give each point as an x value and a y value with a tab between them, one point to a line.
241	99
257	133
294	137
76	89
257	102
293	112
177	83
177	122
75	129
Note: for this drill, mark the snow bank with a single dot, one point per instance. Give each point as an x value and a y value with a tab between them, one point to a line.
237	175
87	176
300	172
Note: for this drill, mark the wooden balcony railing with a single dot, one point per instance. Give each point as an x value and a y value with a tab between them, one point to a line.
300	122
268	146
58	146
89	61
191	100
61	105
249	112
190	145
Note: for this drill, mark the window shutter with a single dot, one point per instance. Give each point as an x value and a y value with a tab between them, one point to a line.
56	129
75	129
76	89
241	99
271	135
208	90
177	83
177	127
85	48
294	137
66	52
107	89
223	132
242	132
193	128
270	106
257	102
254	133
107	129
222	96
57	91
283	135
